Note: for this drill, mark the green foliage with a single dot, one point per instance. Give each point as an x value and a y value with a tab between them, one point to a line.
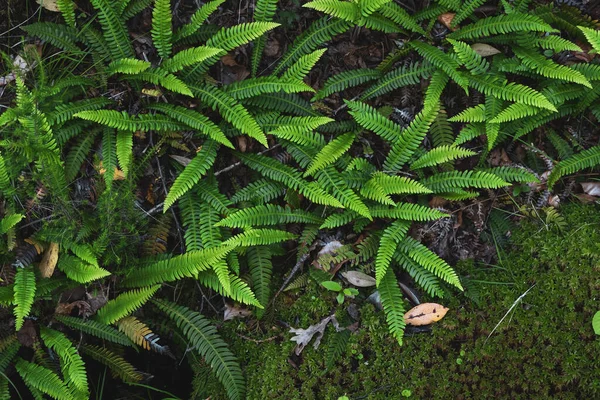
24	292
125	304
44	380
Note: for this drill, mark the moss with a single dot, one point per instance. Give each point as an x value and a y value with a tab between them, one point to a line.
545	348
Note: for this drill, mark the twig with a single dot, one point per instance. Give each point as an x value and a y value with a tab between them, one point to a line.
508	312
237	164
295	270
256	340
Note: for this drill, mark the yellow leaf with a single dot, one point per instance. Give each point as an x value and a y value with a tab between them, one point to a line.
425	314
49	260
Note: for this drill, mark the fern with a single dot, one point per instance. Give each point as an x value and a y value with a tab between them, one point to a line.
330	153
130	66
141	335
230	38
336	347
125	304
393	305
494	86
43	379
451	180
124	121
593	37
198	18
441	60
95	328
256	86
399	15
585	159
192	173
261	267
264	11
400	77
205	340
24	291
238	291
441	155
502	24
162	27
390	239
344	10
302	67
80	271
115	31
117	364
268	214
9	221
61	36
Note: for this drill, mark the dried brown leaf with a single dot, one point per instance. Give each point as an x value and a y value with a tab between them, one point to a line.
425	314
359	279
591	188
484	50
49	260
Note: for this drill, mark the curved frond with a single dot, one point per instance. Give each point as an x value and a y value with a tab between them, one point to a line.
124	304
43	380
95	328
393	304
330	153
440	155
585	159
24	291
392	236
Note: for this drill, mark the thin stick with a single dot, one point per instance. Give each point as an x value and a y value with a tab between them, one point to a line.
508	312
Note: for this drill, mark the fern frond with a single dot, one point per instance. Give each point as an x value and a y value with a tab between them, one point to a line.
77	156
260	191
264	11
164	79
446	181
403	76
9	221
344	10
593	37
330	153
548	68
134	7
109	155
115	31
124	304
369	118
95	328
474	62
317	34
502	24
494	86
43	379
174	268
126	122
205	340
346	80
390	239
80	271
269	84
440	155
586	159
441	60
62	36
189	57
393	305
239	290
513	174
162	27
471	114
515	111
238	35
330	178
72	366
302	67
197	20
399	15
117	364
428	281
124	150
141	335
231	110
259	237
63	112
410	139
408	212
8	349
268	214
430	261
67	9
192	173
24	291
261	268
336	346
130	66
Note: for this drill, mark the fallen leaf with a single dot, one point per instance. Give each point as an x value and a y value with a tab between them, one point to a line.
484	50
152	92
181	160
359	279
446	19
425	314
304	336
49	260
27	335
20	64
232	312
596	323
591	188
49	5
554	201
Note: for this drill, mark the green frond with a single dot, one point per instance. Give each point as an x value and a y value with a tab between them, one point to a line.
191	218
203	337
238	291
425	279
399	15
128	66
134	7
259	191
470	132
192	173
471	114
300	130
513	174
330	153
125	304
316	35
378	22
77	155
238	35
231	110
124	150
556	44
64	112
284	103
24	291
548	68
410	139
441	131
492	85
121	120
344	10
441	60
408	212
198	18
515	111
475	63
9	346
189	57
67	9
369	118
72	366
194	120
9	221
162	30
252	87
437	84
268	214
109	155
391	237
117	364
368	7
586	159
261	268
7	295
563	148
336	346
346	80
208	191
171	269
259	237
330	178
62	36
593	37
80	271
430	261
164	79
43	379
95	328
403	76
393	304
115	31
440	155
447	181
301	68
502	24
